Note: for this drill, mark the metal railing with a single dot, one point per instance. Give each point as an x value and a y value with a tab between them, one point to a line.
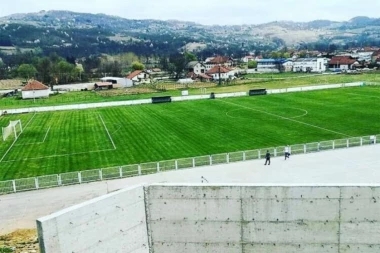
70	178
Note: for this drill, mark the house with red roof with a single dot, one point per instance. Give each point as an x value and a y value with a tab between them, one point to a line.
225	61
342	63
139	77
34	89
220	71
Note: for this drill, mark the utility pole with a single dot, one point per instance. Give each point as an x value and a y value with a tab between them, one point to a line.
220	80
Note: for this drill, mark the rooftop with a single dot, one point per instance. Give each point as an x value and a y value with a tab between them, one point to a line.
35	85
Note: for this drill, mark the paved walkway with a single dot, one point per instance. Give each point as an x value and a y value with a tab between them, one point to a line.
345	166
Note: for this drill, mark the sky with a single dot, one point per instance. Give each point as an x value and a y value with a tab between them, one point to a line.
208	12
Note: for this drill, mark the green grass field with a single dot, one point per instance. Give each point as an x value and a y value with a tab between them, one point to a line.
67	141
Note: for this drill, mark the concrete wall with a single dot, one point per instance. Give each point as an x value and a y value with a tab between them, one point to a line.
220	218
263	219
35	94
112	223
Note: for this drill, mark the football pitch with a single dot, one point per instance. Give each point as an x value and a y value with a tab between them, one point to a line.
58	142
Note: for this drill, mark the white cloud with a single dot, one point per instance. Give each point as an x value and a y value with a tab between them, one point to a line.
210	11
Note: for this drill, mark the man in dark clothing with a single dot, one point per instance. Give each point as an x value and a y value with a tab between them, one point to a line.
267	158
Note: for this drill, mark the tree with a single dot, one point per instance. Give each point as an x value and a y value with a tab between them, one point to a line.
252	64
3	70
66	71
138	66
190	57
285	55
302	54
44	67
275	55
26	71
179	62
127	59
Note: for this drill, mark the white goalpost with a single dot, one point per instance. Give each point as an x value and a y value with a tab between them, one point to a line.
14	127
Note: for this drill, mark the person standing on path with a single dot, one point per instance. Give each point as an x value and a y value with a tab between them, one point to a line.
267	158
287	152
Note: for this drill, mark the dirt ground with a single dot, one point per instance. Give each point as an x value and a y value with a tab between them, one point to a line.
20	241
10	84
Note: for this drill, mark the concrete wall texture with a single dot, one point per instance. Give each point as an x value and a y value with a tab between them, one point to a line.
111	223
222	218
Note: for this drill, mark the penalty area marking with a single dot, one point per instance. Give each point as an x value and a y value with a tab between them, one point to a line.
285	118
105	127
298	116
36	143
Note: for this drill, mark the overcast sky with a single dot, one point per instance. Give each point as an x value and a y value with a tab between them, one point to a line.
208	11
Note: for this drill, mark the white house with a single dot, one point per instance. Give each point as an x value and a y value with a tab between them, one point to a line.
139	77
122	82
247	58
35	89
221	71
309	65
219	60
196	67
271	65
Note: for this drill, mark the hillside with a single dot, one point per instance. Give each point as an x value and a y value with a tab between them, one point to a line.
83	34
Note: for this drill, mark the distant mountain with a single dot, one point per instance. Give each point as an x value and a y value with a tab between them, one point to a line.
82	34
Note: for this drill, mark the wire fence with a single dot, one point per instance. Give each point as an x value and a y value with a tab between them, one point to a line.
70	178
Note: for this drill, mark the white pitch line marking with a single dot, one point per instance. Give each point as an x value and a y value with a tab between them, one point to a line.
298	116
362	95
275	115
62	155
36	143
105	127
46	135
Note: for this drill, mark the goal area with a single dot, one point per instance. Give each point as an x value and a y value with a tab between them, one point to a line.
14	128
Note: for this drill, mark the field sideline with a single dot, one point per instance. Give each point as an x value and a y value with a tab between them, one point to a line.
67	141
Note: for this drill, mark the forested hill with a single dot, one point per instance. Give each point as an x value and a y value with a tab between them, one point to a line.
83	34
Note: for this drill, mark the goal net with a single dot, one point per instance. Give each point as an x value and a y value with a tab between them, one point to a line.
14	128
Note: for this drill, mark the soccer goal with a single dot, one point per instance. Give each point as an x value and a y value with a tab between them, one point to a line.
14	127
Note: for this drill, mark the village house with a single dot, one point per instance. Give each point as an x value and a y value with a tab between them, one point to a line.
118	81
139	77
220	71
247	58
342	63
35	89
196	67
375	58
219	60
309	65
273	65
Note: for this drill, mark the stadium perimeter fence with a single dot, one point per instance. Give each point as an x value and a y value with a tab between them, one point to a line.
71	178
177	99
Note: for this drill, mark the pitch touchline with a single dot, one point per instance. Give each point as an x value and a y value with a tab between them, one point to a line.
107	131
9	149
299	116
51	156
275	115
